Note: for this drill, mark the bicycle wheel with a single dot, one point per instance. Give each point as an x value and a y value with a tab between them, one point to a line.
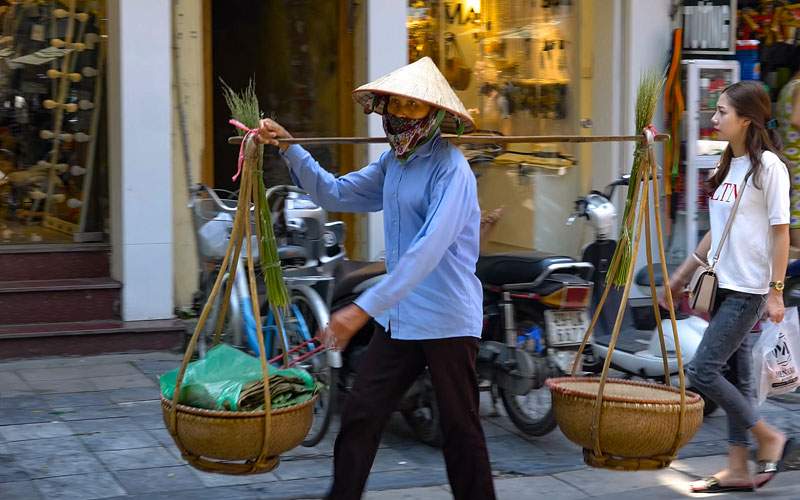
307	314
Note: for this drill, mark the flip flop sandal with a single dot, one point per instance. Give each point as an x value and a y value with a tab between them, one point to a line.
712	485
773	468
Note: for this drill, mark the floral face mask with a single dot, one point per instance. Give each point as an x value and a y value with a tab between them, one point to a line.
406	135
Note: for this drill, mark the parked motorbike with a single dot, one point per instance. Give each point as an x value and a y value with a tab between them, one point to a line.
638	349
535	314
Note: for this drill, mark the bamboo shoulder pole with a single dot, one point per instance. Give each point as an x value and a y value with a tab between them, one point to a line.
473	139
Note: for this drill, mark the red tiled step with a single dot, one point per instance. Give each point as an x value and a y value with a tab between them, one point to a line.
45	301
89	337
44	262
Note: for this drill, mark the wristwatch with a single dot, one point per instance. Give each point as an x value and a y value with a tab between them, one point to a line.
777	285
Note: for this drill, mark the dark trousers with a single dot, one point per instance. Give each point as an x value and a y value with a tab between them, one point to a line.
388	370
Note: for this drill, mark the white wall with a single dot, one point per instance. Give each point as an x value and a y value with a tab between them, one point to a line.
140	156
387	50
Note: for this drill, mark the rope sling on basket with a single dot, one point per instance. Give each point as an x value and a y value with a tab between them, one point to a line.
241	442
623	424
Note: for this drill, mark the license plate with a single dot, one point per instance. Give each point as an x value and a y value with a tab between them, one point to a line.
565	327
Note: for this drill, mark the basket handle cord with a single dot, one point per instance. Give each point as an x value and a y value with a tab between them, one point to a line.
250	154
649	134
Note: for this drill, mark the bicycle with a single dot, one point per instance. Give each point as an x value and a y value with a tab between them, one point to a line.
305	266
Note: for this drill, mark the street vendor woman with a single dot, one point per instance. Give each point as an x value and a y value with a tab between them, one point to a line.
429	307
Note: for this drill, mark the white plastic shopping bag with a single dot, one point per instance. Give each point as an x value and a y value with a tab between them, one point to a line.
776	356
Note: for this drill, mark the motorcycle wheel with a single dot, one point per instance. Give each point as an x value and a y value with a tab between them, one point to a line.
423	417
533	412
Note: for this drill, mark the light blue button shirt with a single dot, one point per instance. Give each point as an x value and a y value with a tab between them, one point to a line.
431	232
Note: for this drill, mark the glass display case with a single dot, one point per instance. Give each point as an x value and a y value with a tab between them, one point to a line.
704	81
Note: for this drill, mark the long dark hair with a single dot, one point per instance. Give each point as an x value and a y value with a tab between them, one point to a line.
751	101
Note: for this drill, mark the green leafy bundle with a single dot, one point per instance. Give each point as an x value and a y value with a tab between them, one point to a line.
650	86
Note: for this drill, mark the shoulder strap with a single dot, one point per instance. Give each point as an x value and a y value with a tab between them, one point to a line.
730	219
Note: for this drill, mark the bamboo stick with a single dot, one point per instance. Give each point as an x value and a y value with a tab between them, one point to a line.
668	293
653	294
473	139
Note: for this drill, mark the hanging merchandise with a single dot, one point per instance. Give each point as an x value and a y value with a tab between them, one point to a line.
708	26
747	55
455	70
674	107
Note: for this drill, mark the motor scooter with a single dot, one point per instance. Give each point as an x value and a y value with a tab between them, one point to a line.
638	349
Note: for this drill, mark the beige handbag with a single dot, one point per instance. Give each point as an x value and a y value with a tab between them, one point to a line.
704	284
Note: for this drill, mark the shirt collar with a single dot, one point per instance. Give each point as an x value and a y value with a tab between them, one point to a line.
428	148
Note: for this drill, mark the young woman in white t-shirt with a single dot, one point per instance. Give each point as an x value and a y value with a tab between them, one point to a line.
750	270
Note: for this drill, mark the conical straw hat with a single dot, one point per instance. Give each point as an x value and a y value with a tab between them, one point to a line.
420	80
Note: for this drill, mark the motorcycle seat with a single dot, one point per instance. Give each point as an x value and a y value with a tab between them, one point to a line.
643	279
291	252
350	273
517	267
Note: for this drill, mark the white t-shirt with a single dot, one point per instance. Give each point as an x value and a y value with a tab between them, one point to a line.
745	264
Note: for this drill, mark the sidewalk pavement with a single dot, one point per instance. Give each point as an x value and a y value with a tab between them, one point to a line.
91	427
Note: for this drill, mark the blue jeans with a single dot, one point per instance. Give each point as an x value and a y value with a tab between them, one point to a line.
728	341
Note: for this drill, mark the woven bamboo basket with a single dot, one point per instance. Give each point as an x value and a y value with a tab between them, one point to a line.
623	424
233	442
648	412
208	437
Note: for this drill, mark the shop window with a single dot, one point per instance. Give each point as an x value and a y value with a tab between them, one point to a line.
512	63
52	139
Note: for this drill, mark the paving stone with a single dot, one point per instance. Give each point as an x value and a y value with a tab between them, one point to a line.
62	386
79	372
80	486
299	488
111	441
596	482
117	424
11	470
703	449
157	480
391	480
25	416
60	465
156	367
140	408
511	445
221	492
34	448
77	399
543	487
120	382
133	394
527	466
429	493
89	412
25	432
151	421
12	385
212	480
304	468
19	490
138	458
18	402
